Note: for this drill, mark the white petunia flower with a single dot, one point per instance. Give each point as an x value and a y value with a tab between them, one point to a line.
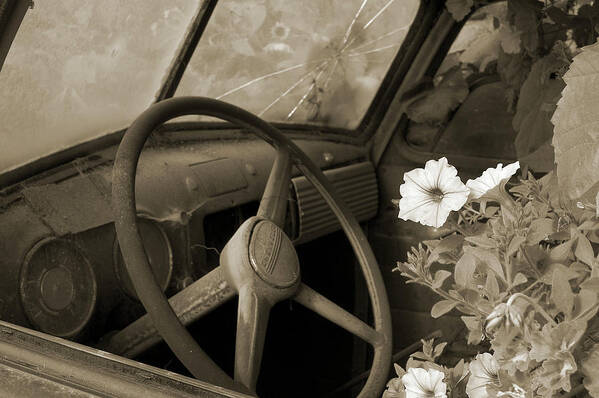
428	195
491	178
421	383
484	377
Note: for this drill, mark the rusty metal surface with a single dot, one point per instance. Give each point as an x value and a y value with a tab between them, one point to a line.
39	365
195	301
72	206
205	173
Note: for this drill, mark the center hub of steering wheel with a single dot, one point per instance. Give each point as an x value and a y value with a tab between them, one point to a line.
273	256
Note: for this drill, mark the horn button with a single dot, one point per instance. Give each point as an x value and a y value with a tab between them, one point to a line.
272	255
261	254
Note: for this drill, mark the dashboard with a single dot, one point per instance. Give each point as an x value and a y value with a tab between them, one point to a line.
63	272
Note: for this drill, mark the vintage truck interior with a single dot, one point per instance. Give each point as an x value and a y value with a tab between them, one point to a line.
274	137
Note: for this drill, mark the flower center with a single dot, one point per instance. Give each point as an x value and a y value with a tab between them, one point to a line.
436	195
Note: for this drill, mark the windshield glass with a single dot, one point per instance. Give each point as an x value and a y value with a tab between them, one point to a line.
299	61
78	69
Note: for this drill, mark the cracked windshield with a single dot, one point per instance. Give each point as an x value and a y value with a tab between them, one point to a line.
290	61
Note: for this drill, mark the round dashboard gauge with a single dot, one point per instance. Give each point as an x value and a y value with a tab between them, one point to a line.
58	287
158	250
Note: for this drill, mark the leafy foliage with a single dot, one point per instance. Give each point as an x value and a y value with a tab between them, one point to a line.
576	120
539	94
530	44
434	105
459	8
522	267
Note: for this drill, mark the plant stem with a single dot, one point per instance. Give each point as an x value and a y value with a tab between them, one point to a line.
530	263
531	286
588	310
536	306
464	303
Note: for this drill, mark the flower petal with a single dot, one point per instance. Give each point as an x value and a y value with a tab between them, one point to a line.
454	200
421	383
491	178
483	374
428	195
427	212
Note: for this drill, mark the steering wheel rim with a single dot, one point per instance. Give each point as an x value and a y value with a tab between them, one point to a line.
157	305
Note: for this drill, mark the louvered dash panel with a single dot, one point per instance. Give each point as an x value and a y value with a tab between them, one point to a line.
356	184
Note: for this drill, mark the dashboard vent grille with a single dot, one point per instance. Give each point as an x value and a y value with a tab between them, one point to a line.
356	184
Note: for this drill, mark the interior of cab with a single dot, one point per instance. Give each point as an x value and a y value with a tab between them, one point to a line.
145	145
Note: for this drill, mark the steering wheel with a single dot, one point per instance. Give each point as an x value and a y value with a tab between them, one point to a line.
259	263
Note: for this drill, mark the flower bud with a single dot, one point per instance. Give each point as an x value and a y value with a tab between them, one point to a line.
495	318
514	316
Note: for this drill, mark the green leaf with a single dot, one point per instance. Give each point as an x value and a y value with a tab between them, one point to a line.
459	8
589	225
439	349
538	98
540	229
399	370
584	251
548	274
464	269
445	245
540	160
561	253
591	284
561	292
420	355
513	70
474	325
585	305
526	16
515	244
558	16
442	307
440	277
490	211
482	241
576	121
488	258
435	105
491	286
589	370
519	279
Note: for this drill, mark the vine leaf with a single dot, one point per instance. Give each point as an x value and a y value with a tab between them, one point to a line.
537	101
475	327
513	70
459	8
526	16
576	121
442	307
464	269
561	292
589	371
434	106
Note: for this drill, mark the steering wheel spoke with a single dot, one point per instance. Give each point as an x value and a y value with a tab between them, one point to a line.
273	205
190	304
252	322
324	307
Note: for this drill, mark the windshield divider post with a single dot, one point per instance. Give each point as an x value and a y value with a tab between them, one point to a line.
186	49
